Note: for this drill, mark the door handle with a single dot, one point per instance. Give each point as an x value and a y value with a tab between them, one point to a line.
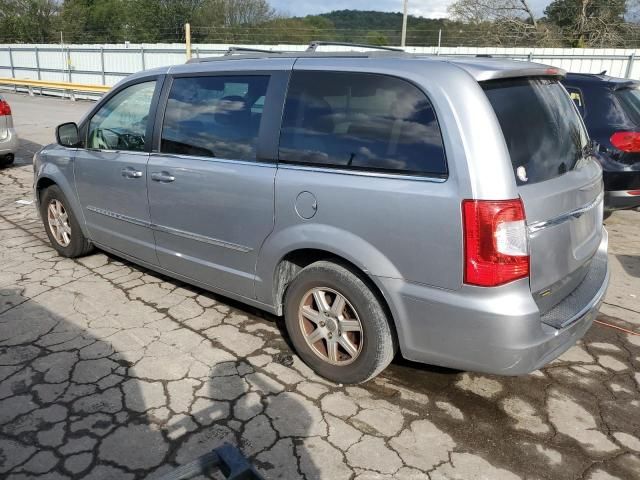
162	177
129	172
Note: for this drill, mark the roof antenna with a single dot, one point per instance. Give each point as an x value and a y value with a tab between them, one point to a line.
603	72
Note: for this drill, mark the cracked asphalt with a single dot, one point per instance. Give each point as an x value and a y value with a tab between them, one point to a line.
108	370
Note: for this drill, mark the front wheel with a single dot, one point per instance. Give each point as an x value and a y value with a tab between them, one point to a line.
337	324
61	225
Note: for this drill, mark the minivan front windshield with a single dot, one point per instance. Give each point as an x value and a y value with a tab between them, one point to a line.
542	129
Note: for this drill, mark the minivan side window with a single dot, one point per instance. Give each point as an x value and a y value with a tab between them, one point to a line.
121	123
214	116
360	121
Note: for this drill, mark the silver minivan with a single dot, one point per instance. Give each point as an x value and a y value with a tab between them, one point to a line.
447	208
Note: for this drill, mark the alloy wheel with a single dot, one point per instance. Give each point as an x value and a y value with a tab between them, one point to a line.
59	222
330	326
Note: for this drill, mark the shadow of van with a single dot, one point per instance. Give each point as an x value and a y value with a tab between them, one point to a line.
73	405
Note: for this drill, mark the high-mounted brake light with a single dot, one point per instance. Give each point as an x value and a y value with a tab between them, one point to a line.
495	242
626	141
5	109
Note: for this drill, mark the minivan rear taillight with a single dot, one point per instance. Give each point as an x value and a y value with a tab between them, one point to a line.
5	109
495	242
626	141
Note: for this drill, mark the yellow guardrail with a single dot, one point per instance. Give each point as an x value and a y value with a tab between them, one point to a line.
45	84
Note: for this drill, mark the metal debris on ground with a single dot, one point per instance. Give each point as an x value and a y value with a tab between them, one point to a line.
227	459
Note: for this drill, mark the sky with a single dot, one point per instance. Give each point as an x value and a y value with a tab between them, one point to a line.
423	8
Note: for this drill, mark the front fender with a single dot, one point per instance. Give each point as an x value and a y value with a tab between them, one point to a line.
335	241
55	164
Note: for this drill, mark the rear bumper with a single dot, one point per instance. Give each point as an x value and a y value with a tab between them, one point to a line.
493	330
617	185
621	199
8	142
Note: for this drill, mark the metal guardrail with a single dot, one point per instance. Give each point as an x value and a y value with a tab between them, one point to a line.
70	88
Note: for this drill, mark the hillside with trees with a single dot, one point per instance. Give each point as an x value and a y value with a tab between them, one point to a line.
579	23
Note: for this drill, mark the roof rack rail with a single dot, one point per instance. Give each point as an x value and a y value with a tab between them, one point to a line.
233	50
317	43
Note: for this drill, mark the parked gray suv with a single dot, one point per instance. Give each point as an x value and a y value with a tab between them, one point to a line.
448	208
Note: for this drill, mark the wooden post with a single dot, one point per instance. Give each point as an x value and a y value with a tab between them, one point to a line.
187	35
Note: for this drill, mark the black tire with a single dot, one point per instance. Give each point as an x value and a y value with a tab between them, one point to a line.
378	339
79	244
6	160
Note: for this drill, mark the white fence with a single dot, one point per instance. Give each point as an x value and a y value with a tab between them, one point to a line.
106	64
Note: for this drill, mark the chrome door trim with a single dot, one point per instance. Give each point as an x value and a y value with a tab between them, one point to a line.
361	173
173	231
535	227
201	238
119	216
110	151
200	158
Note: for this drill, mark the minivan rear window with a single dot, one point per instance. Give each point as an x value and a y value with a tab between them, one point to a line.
360	121
543	131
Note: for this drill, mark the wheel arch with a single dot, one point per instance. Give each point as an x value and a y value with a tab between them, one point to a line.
297	259
42	184
50	177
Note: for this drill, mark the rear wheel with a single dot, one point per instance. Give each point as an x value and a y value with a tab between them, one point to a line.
337	324
61	225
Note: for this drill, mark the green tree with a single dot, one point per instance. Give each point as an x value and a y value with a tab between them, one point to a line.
30	21
232	21
158	20
377	38
93	21
296	30
592	23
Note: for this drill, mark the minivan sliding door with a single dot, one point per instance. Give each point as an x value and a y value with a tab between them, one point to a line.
211	182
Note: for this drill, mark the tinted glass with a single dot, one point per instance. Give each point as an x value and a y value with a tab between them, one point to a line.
121	124
360	121
214	116
541	127
629	99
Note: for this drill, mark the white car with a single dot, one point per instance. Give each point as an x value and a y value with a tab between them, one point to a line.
8	137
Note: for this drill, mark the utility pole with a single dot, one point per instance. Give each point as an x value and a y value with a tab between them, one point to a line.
187	35
403	40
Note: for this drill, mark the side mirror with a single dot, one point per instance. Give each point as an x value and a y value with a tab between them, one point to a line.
67	135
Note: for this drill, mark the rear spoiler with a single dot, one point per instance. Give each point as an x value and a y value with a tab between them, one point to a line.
625	85
484	69
526	72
